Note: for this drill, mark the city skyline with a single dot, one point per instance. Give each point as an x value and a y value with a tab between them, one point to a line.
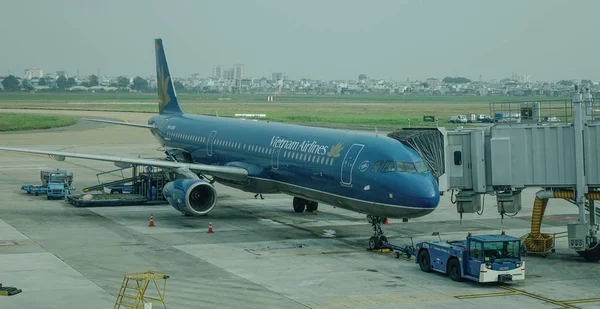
333	40
221	72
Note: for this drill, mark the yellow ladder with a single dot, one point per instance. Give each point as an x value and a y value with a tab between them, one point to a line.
132	295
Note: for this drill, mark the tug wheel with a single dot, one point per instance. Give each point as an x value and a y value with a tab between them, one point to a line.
454	270
424	262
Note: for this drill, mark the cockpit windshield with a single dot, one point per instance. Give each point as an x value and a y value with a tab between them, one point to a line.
407	167
399	167
501	250
421	167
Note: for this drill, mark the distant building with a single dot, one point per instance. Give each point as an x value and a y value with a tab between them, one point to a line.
433	82
362	77
34	73
61	73
276	76
238	69
228	74
218	71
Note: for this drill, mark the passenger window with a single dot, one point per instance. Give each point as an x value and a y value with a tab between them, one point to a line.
406	167
388	167
377	166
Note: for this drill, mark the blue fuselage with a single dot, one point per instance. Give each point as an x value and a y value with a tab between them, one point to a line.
362	172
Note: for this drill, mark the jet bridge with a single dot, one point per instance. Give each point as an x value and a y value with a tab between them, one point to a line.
553	145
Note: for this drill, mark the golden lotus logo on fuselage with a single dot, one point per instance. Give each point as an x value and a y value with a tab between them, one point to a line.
335	150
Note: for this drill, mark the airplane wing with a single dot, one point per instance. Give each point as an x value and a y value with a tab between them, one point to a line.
226	172
131	124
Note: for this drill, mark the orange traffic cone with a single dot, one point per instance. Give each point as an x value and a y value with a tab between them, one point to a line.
386	221
151	220
210	227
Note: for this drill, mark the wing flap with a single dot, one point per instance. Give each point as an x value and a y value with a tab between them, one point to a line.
227	172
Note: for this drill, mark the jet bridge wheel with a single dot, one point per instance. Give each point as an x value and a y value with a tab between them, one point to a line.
591	255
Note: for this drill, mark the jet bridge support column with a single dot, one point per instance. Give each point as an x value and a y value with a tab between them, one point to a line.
580	188
582	236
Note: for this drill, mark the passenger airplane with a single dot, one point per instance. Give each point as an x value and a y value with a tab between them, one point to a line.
366	173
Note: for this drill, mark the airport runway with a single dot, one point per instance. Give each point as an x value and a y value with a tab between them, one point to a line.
262	254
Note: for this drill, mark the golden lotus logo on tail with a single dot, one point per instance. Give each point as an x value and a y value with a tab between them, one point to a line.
162	85
335	150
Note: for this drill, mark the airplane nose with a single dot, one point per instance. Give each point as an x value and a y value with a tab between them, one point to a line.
424	192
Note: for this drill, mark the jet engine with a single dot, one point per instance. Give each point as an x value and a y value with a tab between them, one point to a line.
191	196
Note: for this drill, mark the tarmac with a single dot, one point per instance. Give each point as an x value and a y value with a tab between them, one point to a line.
261	255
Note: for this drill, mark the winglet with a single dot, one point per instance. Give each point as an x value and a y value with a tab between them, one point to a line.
167	98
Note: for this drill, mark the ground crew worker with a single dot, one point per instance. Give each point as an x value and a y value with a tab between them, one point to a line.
153	193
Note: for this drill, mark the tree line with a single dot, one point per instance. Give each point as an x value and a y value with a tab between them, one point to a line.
12	84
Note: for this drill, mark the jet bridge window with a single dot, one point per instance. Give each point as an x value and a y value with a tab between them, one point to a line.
457	157
406	167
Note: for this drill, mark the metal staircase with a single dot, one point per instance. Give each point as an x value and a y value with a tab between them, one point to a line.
134	287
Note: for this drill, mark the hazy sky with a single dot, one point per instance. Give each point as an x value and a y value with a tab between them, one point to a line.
326	39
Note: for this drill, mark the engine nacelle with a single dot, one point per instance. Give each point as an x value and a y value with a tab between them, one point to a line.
190	196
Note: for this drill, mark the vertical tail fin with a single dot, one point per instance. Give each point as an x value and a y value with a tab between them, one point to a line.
167	98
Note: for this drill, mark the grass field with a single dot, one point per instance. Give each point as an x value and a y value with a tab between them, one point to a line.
382	111
19	122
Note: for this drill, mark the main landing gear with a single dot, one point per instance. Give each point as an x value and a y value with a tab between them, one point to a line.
300	205
376	241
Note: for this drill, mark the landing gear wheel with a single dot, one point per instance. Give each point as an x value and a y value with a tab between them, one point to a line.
312	206
397	254
374	243
454	270
544	255
299	204
423	258
47	197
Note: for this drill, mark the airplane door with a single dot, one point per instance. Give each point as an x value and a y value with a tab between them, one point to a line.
275	158
348	163
210	142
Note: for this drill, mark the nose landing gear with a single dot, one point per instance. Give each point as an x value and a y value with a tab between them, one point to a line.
376	241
